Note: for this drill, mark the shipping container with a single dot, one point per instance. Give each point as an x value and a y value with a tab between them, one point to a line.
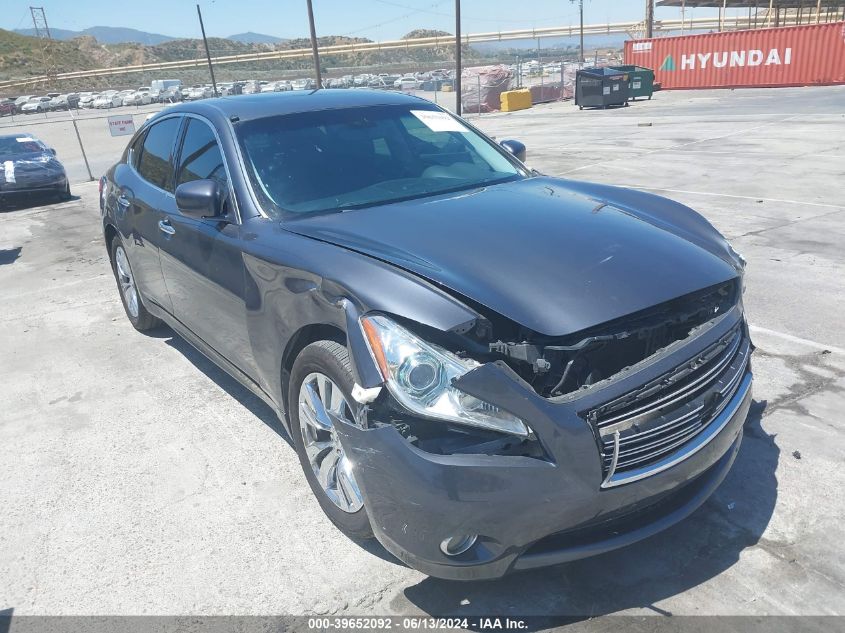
787	56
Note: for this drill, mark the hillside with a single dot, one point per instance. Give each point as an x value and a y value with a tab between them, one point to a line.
22	57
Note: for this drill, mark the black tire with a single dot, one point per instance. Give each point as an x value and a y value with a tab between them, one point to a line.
144	320
65	195
332	359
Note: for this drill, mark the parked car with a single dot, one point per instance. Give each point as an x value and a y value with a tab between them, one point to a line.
199	92
302	84
408	82
29	167
379	82
471	358
86	99
7	107
137	98
20	101
65	102
109	99
36	105
171	95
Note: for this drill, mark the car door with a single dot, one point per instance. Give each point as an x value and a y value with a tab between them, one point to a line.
144	190
202	259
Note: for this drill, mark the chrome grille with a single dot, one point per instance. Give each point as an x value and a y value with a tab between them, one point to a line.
649	424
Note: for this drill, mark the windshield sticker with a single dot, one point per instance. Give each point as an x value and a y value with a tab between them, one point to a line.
9	171
439	121
25	139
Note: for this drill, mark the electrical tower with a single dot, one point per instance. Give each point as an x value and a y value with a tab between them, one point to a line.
39	21
42	32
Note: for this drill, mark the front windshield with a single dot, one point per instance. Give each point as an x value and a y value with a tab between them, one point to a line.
357	157
19	145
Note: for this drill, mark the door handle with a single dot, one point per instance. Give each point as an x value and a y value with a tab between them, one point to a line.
165	227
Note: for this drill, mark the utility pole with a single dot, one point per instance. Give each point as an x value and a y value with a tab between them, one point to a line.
581	45
314	51
649	19
207	53
458	67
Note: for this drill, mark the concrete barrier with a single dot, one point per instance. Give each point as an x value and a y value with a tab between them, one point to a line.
515	100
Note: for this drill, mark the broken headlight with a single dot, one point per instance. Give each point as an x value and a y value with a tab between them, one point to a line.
420	374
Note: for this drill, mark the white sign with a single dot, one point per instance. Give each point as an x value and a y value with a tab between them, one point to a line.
439	121
121	125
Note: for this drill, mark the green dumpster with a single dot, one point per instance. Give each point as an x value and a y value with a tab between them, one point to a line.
640	81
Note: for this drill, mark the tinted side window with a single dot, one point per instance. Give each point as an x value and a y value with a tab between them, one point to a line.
201	157
155	164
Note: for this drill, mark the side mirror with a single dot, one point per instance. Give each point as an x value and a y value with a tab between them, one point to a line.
200	199
515	147
53	151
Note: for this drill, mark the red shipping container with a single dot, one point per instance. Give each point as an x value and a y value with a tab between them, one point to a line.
788	56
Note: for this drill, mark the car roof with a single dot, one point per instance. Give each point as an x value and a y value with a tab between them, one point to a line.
4	137
260	105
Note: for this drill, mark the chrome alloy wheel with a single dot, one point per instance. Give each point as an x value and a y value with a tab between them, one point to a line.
126	281
319	395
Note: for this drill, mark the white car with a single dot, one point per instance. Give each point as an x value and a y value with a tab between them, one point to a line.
199	92
302	84
108	100
407	83
86	99
36	104
137	98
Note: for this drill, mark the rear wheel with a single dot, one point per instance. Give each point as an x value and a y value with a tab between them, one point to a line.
138	315
320	394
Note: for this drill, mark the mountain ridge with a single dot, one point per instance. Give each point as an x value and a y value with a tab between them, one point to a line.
106	35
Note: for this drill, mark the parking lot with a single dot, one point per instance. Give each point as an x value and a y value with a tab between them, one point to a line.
138	478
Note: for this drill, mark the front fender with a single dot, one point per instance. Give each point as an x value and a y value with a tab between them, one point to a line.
293	282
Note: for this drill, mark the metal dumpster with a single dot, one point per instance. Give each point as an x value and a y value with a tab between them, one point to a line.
600	88
640	81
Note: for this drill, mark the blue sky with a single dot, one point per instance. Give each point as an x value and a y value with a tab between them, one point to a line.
375	19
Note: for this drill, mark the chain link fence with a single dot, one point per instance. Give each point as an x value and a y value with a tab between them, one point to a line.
85	146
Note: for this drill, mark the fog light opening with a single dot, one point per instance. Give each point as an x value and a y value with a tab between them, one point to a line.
457	545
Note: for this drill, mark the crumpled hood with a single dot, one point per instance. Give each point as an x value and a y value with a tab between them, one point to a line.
556	256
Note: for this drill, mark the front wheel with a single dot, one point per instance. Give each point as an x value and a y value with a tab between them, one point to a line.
320	393
65	195
138	315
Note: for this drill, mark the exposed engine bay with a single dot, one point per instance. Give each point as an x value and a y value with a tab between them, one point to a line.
557	367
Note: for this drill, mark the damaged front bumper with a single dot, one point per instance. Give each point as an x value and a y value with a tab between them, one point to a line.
529	512
29	177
